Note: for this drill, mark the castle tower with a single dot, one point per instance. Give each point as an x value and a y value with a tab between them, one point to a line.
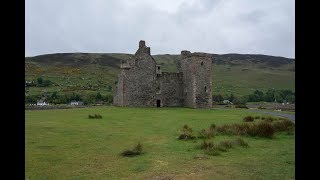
137	80
197	79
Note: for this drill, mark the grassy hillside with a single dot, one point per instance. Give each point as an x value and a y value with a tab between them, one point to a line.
93	72
66	144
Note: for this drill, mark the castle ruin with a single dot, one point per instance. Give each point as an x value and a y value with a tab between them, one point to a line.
141	83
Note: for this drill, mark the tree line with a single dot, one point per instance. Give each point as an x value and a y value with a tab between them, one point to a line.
57	98
271	95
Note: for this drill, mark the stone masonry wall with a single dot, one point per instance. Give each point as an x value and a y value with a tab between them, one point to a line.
141	82
138	80
197	77
170	89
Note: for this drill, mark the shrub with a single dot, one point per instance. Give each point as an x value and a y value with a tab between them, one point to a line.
257	117
91	117
240	142
206	133
96	116
212	152
263	129
224	129
186	133
225	144
212	126
241	106
248	119
206	145
269	119
137	150
284	125
240	129
263	118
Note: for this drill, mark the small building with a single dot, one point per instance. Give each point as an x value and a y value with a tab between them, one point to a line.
42	103
226	101
76	103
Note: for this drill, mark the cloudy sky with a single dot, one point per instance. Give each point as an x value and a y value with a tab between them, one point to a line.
167	26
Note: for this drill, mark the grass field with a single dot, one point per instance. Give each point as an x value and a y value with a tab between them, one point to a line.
66	144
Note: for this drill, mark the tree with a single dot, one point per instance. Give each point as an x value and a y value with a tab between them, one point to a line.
269	95
98	97
217	98
231	98
39	80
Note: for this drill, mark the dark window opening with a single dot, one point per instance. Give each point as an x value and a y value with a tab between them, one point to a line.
205	89
158	103
201	63
158	67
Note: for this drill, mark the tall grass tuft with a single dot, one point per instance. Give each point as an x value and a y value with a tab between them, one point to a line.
137	150
248	119
186	133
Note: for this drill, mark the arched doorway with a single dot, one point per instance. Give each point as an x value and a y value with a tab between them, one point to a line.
158	102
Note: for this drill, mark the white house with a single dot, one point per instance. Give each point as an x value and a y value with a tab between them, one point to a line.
226	101
42	103
76	103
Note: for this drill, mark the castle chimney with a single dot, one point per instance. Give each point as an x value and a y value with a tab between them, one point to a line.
185	53
142	44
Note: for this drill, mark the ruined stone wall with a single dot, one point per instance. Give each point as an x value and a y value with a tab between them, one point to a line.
170	89
137	81
141	82
197	78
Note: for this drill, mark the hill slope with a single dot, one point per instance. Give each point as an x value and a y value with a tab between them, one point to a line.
239	74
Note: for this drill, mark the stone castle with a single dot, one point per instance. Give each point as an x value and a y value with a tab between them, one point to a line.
141	82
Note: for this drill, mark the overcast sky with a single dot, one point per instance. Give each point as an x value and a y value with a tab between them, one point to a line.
167	26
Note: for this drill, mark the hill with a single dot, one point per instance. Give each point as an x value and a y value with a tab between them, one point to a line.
239	74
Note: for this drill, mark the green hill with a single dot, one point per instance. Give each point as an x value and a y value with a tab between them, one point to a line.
87	73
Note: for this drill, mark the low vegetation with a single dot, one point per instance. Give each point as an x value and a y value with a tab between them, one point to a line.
248	119
186	133
213	149
137	150
95	116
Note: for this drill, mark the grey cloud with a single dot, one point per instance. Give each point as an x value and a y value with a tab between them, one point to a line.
214	26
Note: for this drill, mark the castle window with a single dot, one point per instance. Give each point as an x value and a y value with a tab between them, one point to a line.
205	89
158	67
201	63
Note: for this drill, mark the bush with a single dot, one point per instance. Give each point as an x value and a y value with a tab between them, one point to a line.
206	133
186	133
224	129
269	119
248	119
137	150
240	142
206	145
241	106
263	129
95	116
240	129
212	152
257	117
225	144
212	126
284	125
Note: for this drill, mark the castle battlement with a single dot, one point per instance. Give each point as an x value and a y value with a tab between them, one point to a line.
187	54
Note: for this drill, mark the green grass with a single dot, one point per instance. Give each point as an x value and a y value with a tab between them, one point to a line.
66	144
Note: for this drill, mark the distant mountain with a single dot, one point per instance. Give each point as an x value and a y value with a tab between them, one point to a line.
239	74
114	59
